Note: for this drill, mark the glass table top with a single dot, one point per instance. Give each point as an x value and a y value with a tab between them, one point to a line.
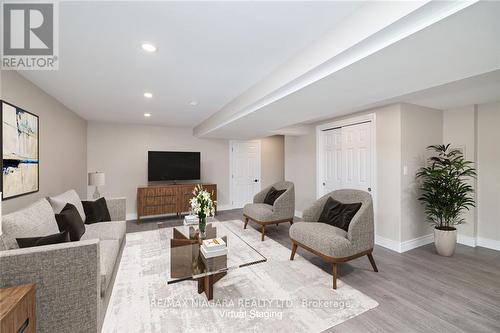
188	263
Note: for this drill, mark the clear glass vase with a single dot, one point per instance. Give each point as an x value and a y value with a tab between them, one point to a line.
202	224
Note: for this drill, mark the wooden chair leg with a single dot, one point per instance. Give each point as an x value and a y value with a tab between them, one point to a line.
294	249
334	273
277	224
246	222
263	231
372	261
291	222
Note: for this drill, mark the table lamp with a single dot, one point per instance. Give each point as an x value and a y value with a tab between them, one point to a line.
96	179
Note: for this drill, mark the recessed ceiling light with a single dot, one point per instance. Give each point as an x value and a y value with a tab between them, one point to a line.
147	115
148	47
193	103
148	95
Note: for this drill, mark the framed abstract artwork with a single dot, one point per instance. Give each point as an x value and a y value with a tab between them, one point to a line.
20	151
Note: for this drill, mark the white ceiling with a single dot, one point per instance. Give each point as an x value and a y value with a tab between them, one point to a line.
209	52
484	88
452	61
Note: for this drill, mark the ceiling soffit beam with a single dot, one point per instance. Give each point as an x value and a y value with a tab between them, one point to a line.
368	33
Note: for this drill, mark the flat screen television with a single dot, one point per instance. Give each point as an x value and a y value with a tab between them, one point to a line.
173	165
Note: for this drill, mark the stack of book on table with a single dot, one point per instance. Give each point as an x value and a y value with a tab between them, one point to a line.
215	247
191	220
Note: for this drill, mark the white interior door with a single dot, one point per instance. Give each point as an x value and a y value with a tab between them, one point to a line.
356	148
245	171
332	162
345	158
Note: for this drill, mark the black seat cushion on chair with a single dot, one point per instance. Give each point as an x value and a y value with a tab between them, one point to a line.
61	237
272	195
338	214
96	211
70	220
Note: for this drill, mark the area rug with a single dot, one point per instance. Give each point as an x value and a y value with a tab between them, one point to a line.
275	296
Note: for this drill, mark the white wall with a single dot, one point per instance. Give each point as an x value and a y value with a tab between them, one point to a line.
272	160
300	168
420	128
488	153
388	187
121	150
475	127
403	132
459	129
62	140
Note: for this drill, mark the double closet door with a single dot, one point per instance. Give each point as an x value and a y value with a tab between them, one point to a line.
345	158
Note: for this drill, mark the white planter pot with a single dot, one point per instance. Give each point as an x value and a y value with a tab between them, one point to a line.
445	241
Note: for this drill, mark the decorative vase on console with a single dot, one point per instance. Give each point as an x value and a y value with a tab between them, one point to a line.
203	206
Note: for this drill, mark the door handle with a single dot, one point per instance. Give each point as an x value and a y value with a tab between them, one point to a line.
324	184
256	180
369	189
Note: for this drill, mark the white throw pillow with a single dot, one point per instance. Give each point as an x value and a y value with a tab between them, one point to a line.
36	220
59	202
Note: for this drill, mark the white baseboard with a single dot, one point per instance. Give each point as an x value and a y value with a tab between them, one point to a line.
225	207
416	242
131	216
388	243
401	247
488	243
478	241
466	240
298	213
428	239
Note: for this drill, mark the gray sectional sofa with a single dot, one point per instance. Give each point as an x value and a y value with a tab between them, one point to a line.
74	280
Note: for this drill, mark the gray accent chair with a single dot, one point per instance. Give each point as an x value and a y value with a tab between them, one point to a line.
74	280
283	209
333	244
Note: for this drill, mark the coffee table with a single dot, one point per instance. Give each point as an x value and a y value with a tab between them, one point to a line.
188	263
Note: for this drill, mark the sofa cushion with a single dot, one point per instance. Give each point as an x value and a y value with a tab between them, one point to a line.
96	211
272	195
3	242
338	214
323	238
108	251
59	202
36	220
69	220
61	237
106	231
259	211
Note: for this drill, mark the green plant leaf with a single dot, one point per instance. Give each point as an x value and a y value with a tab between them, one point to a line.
446	193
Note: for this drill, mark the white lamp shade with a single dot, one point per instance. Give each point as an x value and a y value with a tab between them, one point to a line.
96	178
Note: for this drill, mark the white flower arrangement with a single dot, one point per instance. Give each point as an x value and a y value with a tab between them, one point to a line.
202	204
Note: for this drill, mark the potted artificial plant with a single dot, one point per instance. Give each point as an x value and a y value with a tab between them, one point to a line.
446	194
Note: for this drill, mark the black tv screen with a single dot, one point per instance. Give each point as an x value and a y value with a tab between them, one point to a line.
173	165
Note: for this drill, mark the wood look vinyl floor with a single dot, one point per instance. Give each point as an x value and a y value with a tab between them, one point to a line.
417	291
